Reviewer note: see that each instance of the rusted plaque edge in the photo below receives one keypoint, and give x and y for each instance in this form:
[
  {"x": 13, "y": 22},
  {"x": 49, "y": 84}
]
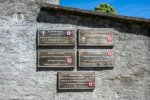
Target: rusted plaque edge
[
  {"x": 56, "y": 44},
  {"x": 108, "y": 52},
  {"x": 51, "y": 50},
  {"x": 109, "y": 38},
  {"x": 90, "y": 84}
]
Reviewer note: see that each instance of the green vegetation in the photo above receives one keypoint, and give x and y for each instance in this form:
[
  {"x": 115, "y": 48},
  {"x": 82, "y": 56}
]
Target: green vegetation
[{"x": 106, "y": 8}]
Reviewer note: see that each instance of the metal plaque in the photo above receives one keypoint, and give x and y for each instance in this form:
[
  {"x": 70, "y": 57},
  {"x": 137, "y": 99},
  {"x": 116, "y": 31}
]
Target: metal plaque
[
  {"x": 56, "y": 37},
  {"x": 95, "y": 58},
  {"x": 76, "y": 80},
  {"x": 95, "y": 37},
  {"x": 56, "y": 58}
]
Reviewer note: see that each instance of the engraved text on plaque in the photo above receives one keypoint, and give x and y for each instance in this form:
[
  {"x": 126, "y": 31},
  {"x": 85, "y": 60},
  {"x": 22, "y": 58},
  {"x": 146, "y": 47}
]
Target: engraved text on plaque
[
  {"x": 95, "y": 37},
  {"x": 76, "y": 80},
  {"x": 56, "y": 37},
  {"x": 96, "y": 58},
  {"x": 56, "y": 58}
]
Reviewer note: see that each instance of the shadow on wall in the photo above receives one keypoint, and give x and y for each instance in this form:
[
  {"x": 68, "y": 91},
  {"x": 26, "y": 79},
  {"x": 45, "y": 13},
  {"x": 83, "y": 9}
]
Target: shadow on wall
[{"x": 58, "y": 17}]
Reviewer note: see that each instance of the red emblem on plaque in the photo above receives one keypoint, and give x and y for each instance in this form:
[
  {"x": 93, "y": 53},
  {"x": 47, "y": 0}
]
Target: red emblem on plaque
[
  {"x": 109, "y": 53},
  {"x": 69, "y": 33},
  {"x": 91, "y": 84},
  {"x": 69, "y": 60},
  {"x": 109, "y": 38}
]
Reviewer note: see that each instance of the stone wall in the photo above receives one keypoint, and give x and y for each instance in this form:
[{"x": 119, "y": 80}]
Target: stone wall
[
  {"x": 20, "y": 79},
  {"x": 56, "y": 2}
]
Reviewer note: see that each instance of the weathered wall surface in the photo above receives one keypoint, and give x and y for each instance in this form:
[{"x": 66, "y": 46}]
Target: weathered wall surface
[
  {"x": 20, "y": 80},
  {"x": 56, "y": 2}
]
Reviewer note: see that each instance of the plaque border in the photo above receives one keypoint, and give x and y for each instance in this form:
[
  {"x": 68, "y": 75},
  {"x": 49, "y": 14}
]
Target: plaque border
[
  {"x": 108, "y": 30},
  {"x": 62, "y": 67},
  {"x": 60, "y": 29},
  {"x": 78, "y": 57},
  {"x": 69, "y": 89}
]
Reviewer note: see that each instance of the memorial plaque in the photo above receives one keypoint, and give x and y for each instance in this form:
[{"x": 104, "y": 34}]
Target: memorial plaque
[
  {"x": 56, "y": 37},
  {"x": 76, "y": 80},
  {"x": 95, "y": 58},
  {"x": 56, "y": 58},
  {"x": 95, "y": 37}
]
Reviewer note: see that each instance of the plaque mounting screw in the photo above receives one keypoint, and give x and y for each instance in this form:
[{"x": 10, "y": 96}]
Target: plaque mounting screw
[
  {"x": 109, "y": 53},
  {"x": 69, "y": 33},
  {"x": 109, "y": 38},
  {"x": 69, "y": 60},
  {"x": 91, "y": 84}
]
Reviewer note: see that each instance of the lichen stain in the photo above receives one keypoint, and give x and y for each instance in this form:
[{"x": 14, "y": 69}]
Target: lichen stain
[
  {"x": 139, "y": 73},
  {"x": 126, "y": 81}
]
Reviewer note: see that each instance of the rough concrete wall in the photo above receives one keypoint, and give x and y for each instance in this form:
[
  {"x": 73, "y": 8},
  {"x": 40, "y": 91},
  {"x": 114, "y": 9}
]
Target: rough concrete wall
[
  {"x": 19, "y": 78},
  {"x": 56, "y": 2}
]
